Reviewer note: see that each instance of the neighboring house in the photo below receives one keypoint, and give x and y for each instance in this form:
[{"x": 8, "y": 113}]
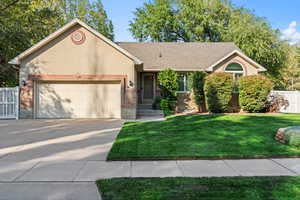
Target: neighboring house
[{"x": 78, "y": 73}]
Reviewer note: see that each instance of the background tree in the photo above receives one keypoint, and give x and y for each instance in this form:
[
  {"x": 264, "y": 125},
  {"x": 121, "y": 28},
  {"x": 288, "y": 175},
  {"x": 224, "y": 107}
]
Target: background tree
[
  {"x": 22, "y": 23},
  {"x": 90, "y": 12},
  {"x": 211, "y": 21},
  {"x": 25, "y": 22},
  {"x": 291, "y": 72}
]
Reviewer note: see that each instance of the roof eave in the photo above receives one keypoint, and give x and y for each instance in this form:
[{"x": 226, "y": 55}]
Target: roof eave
[
  {"x": 14, "y": 61},
  {"x": 260, "y": 68}
]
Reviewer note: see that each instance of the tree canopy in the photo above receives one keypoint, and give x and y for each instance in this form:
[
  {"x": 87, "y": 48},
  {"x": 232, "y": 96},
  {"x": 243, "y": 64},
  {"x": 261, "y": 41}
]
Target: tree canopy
[
  {"x": 25, "y": 22},
  {"x": 211, "y": 21}
]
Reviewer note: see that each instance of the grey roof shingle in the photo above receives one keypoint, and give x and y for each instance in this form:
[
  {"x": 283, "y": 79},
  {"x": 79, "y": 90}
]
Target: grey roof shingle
[{"x": 179, "y": 56}]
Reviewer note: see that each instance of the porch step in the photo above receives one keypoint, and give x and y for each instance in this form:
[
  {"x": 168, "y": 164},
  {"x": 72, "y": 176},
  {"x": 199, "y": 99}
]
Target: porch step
[
  {"x": 149, "y": 112},
  {"x": 144, "y": 106},
  {"x": 147, "y": 101}
]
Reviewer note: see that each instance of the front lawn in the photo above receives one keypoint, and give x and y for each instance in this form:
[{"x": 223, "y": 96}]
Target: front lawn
[
  {"x": 238, "y": 188},
  {"x": 205, "y": 136}
]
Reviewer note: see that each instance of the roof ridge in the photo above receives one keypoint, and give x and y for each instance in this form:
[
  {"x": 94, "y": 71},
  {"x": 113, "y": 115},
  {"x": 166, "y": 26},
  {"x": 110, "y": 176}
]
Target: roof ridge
[{"x": 176, "y": 42}]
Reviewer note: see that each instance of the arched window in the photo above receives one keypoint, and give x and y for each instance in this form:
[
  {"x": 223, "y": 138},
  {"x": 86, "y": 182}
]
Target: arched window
[{"x": 236, "y": 69}]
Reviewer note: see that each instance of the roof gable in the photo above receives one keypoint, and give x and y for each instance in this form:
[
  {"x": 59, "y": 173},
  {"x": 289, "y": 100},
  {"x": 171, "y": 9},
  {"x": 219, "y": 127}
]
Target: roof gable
[
  {"x": 51, "y": 37},
  {"x": 188, "y": 56},
  {"x": 239, "y": 53}
]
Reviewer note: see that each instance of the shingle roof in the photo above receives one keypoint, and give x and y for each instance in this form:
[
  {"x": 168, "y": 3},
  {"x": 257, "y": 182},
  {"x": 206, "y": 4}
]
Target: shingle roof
[{"x": 179, "y": 56}]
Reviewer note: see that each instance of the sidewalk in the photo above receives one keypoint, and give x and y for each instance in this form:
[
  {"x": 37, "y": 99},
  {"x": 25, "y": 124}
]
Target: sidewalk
[
  {"x": 90, "y": 171},
  {"x": 76, "y": 179}
]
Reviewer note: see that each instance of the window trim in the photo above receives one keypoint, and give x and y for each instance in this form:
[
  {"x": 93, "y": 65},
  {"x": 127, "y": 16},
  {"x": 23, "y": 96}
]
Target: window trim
[
  {"x": 235, "y": 72},
  {"x": 185, "y": 82}
]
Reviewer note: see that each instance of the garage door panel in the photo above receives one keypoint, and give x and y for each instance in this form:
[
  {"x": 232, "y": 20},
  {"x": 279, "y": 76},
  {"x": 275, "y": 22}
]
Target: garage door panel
[{"x": 79, "y": 100}]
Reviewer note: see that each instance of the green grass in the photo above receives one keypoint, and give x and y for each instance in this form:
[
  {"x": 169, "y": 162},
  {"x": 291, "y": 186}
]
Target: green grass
[
  {"x": 239, "y": 188},
  {"x": 205, "y": 137}
]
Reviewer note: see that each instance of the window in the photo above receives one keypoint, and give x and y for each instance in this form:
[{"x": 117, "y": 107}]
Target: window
[
  {"x": 237, "y": 72},
  {"x": 182, "y": 82},
  {"x": 236, "y": 69}
]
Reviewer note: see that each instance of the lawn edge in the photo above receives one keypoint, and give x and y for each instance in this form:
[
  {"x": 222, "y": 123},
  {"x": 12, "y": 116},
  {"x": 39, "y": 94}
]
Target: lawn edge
[{"x": 197, "y": 158}]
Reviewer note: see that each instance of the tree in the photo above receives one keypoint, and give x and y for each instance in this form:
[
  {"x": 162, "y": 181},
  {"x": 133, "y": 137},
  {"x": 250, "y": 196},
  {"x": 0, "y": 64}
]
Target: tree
[
  {"x": 155, "y": 21},
  {"x": 211, "y": 21},
  {"x": 291, "y": 72},
  {"x": 23, "y": 23},
  {"x": 90, "y": 12}
]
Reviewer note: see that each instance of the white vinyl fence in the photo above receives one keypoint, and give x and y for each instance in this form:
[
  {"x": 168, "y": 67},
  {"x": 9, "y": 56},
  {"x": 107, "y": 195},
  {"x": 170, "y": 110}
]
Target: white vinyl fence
[
  {"x": 9, "y": 103},
  {"x": 293, "y": 98}
]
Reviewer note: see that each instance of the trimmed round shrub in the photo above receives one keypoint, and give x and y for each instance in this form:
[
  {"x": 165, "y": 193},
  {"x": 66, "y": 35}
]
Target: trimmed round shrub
[
  {"x": 253, "y": 92},
  {"x": 218, "y": 92}
]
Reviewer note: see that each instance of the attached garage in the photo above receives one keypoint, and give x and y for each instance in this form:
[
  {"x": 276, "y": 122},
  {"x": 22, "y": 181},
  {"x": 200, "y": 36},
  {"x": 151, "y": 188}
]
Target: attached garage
[
  {"x": 76, "y": 72},
  {"x": 78, "y": 99}
]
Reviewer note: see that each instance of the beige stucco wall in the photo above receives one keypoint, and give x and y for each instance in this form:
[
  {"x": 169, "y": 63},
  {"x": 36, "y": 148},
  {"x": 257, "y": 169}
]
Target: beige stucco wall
[
  {"x": 62, "y": 57},
  {"x": 249, "y": 69}
]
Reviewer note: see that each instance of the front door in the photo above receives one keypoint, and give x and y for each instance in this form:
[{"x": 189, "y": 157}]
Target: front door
[{"x": 148, "y": 86}]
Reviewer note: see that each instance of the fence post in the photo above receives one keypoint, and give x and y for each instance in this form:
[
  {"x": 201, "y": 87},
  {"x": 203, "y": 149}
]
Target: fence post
[{"x": 17, "y": 106}]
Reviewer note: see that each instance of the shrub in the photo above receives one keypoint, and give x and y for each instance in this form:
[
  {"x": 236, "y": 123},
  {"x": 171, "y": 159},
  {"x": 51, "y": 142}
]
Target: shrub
[
  {"x": 156, "y": 103},
  {"x": 253, "y": 92},
  {"x": 218, "y": 92},
  {"x": 168, "y": 84},
  {"x": 197, "y": 82},
  {"x": 167, "y": 106}
]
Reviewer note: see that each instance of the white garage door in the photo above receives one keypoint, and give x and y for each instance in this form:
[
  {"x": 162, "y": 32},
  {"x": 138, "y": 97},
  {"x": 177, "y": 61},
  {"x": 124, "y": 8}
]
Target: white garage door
[{"x": 78, "y": 100}]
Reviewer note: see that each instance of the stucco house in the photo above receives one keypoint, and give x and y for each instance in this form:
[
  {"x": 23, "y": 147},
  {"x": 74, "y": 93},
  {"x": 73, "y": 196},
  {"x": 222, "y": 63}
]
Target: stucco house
[{"x": 78, "y": 73}]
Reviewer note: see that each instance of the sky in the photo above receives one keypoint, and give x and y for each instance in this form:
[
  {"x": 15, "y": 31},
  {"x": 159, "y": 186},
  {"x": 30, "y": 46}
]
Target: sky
[{"x": 282, "y": 15}]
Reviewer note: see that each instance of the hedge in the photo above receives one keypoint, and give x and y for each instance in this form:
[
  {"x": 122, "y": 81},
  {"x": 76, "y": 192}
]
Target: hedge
[
  {"x": 218, "y": 91},
  {"x": 253, "y": 92}
]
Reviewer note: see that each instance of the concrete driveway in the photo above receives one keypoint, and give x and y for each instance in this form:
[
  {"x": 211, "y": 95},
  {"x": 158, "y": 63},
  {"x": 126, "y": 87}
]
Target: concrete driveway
[
  {"x": 33, "y": 152},
  {"x": 56, "y": 140}
]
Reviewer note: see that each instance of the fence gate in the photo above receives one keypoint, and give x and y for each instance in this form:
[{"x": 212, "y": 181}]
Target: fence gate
[
  {"x": 9, "y": 103},
  {"x": 293, "y": 98}
]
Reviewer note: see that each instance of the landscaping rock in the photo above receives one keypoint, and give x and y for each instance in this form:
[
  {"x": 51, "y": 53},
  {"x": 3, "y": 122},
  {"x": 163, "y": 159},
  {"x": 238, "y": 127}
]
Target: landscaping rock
[{"x": 289, "y": 135}]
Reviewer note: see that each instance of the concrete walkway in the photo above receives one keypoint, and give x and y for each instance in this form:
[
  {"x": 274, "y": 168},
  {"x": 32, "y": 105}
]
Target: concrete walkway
[
  {"x": 76, "y": 179},
  {"x": 90, "y": 171}
]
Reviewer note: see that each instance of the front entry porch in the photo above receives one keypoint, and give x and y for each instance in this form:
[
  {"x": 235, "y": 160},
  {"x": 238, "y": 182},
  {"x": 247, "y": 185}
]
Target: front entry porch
[
  {"x": 147, "y": 87},
  {"x": 147, "y": 92}
]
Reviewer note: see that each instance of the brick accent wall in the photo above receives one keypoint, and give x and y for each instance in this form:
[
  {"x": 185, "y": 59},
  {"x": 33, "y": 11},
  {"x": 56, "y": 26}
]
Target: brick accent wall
[
  {"x": 185, "y": 102},
  {"x": 26, "y": 100}
]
